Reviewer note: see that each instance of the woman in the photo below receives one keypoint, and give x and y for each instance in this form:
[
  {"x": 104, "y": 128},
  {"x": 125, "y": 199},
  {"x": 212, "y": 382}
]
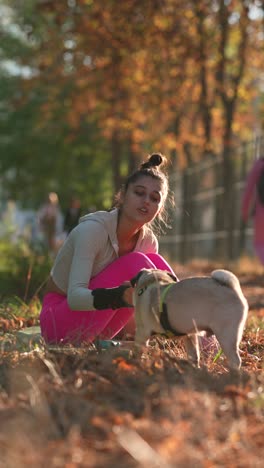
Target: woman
[
  {"x": 49, "y": 216},
  {"x": 88, "y": 294},
  {"x": 253, "y": 203}
]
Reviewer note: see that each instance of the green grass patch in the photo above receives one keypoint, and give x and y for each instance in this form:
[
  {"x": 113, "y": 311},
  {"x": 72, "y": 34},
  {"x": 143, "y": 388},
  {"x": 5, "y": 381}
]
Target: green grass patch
[{"x": 23, "y": 270}]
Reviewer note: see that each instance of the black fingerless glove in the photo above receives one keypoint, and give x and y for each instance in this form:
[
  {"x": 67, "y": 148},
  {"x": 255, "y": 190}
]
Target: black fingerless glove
[{"x": 109, "y": 298}]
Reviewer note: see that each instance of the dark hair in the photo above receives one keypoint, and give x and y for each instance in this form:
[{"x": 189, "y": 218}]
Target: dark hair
[
  {"x": 154, "y": 160},
  {"x": 151, "y": 168}
]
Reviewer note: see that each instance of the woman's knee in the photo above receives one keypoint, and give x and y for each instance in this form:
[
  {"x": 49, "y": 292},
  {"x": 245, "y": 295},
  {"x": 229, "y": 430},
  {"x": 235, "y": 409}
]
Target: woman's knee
[
  {"x": 159, "y": 262},
  {"x": 120, "y": 270}
]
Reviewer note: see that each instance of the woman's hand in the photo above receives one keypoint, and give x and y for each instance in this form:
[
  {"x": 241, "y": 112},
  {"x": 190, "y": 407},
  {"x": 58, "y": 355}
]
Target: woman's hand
[
  {"x": 112, "y": 298},
  {"x": 128, "y": 293}
]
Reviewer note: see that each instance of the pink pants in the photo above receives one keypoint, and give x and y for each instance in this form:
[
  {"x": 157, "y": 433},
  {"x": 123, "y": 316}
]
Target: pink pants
[{"x": 60, "y": 324}]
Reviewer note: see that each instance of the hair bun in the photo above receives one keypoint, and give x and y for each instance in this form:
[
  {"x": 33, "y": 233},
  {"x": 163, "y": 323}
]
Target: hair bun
[{"x": 154, "y": 160}]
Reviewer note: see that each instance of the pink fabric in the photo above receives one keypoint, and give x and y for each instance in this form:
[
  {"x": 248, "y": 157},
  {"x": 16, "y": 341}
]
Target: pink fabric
[
  {"x": 259, "y": 249},
  {"x": 251, "y": 202},
  {"x": 60, "y": 324}
]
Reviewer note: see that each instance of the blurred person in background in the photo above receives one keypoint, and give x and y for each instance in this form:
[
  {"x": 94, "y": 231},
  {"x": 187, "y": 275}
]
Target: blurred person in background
[
  {"x": 49, "y": 220},
  {"x": 253, "y": 205}
]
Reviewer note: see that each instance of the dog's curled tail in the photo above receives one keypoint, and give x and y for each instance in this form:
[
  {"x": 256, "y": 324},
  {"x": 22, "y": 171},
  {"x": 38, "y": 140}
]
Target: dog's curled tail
[{"x": 227, "y": 278}]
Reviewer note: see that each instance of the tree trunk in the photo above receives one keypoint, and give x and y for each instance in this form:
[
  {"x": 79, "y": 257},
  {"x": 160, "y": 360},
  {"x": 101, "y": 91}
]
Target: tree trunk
[{"x": 116, "y": 161}]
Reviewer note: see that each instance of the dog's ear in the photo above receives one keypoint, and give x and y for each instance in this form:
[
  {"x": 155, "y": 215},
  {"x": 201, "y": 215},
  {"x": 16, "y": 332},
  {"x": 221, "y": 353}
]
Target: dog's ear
[
  {"x": 174, "y": 277},
  {"x": 135, "y": 279}
]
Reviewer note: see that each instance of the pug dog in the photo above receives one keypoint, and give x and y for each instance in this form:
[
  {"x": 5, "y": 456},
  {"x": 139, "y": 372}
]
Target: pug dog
[{"x": 212, "y": 304}]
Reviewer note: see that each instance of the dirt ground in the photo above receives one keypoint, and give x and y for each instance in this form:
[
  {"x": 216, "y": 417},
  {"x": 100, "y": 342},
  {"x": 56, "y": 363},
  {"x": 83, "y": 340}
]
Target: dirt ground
[{"x": 90, "y": 408}]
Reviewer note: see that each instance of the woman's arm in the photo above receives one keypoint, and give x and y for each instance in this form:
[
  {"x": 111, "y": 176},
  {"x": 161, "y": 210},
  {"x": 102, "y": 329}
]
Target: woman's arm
[{"x": 89, "y": 241}]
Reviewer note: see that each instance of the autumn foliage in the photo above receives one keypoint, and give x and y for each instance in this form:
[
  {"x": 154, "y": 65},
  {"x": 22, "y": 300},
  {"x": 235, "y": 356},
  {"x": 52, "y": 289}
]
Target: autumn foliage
[{"x": 110, "y": 84}]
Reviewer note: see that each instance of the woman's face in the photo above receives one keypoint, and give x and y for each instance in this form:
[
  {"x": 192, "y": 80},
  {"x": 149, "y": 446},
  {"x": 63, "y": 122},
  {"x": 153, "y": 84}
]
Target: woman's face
[{"x": 143, "y": 200}]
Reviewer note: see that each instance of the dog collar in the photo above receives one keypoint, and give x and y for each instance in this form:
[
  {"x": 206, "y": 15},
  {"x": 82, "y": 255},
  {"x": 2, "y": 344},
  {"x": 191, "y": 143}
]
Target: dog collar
[
  {"x": 169, "y": 332},
  {"x": 164, "y": 321},
  {"x": 163, "y": 295}
]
